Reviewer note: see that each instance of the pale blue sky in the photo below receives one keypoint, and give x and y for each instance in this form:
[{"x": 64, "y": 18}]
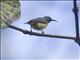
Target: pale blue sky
[{"x": 16, "y": 45}]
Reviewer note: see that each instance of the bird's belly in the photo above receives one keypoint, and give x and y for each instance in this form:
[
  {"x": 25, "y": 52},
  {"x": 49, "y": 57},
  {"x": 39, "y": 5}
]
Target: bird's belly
[{"x": 39, "y": 26}]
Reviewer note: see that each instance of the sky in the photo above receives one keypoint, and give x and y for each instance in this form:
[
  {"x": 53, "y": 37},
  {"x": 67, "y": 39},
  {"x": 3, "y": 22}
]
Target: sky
[{"x": 18, "y": 46}]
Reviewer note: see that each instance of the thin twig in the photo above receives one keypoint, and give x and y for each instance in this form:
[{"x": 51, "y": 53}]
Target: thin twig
[
  {"x": 40, "y": 34},
  {"x": 75, "y": 10}
]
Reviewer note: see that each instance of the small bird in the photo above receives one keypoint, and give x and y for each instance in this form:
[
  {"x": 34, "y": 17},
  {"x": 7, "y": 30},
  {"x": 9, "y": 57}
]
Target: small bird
[{"x": 40, "y": 23}]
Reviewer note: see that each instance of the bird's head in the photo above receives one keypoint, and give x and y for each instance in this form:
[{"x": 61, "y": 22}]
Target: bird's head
[{"x": 49, "y": 19}]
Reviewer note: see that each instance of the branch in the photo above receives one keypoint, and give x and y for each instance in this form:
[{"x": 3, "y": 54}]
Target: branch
[
  {"x": 75, "y": 10},
  {"x": 39, "y": 34}
]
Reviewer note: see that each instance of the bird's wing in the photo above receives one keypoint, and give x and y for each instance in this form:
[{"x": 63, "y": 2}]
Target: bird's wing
[{"x": 38, "y": 20}]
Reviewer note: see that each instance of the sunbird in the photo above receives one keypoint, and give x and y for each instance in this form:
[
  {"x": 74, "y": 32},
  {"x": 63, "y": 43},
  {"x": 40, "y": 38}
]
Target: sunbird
[{"x": 40, "y": 23}]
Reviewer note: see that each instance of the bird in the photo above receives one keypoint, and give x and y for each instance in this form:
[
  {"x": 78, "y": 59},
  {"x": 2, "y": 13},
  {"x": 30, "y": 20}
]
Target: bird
[{"x": 40, "y": 23}]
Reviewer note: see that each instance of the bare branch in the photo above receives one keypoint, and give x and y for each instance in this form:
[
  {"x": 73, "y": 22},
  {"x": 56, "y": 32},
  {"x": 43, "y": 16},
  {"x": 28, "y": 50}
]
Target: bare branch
[
  {"x": 39, "y": 34},
  {"x": 75, "y": 10}
]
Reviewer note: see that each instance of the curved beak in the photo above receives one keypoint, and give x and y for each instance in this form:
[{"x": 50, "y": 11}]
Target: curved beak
[{"x": 54, "y": 20}]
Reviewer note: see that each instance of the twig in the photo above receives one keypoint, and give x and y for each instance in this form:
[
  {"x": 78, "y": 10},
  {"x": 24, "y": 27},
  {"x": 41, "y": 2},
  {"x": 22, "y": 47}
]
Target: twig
[
  {"x": 39, "y": 34},
  {"x": 75, "y": 10}
]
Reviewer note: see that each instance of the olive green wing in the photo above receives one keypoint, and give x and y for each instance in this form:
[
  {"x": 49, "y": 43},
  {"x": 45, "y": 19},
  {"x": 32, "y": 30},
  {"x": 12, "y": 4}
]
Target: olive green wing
[{"x": 9, "y": 12}]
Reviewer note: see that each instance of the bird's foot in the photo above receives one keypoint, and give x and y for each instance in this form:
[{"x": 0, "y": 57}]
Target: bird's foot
[
  {"x": 30, "y": 33},
  {"x": 42, "y": 32}
]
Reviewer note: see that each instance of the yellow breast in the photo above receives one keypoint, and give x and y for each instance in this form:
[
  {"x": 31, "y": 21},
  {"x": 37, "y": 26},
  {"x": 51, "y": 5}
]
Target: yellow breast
[{"x": 39, "y": 26}]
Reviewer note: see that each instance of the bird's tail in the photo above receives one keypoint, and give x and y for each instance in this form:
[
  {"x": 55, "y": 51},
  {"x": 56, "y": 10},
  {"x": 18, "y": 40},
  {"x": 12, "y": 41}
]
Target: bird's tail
[{"x": 26, "y": 23}]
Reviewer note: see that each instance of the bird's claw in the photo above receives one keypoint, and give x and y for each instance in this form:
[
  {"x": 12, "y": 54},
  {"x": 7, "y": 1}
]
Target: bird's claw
[
  {"x": 30, "y": 33},
  {"x": 42, "y": 32}
]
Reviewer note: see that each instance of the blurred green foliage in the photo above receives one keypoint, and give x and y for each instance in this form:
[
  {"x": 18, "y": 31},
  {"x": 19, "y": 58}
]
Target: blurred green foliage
[{"x": 10, "y": 12}]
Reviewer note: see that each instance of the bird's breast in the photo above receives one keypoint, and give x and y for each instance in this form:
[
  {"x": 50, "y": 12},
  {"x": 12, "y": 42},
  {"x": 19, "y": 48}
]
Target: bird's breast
[{"x": 39, "y": 26}]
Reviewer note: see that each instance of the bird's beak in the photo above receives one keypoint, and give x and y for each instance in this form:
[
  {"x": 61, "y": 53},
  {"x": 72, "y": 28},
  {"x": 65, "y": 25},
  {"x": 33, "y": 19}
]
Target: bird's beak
[{"x": 54, "y": 20}]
